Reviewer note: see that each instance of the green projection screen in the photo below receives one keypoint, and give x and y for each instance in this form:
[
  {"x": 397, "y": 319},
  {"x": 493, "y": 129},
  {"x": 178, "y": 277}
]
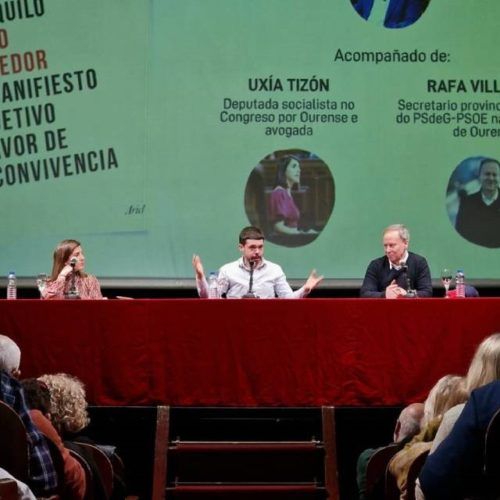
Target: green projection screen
[{"x": 152, "y": 130}]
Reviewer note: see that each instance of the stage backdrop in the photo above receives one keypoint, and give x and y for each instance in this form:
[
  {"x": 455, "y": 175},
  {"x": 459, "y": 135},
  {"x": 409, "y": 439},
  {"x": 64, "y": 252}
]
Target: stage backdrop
[{"x": 152, "y": 130}]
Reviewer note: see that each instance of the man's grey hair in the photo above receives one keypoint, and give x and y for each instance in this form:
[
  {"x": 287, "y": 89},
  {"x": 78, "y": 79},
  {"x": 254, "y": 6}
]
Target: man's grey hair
[
  {"x": 402, "y": 230},
  {"x": 10, "y": 354}
]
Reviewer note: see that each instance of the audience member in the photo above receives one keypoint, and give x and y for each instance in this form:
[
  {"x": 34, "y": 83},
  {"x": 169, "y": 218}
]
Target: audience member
[
  {"x": 448, "y": 392},
  {"x": 68, "y": 269},
  {"x": 268, "y": 279},
  {"x": 399, "y": 270},
  {"x": 407, "y": 425},
  {"x": 454, "y": 470},
  {"x": 483, "y": 369},
  {"x": 68, "y": 411},
  {"x": 38, "y": 400},
  {"x": 42, "y": 476}
]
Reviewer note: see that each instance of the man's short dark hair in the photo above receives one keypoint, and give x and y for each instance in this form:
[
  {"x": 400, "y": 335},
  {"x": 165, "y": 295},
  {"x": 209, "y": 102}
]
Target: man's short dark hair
[{"x": 250, "y": 233}]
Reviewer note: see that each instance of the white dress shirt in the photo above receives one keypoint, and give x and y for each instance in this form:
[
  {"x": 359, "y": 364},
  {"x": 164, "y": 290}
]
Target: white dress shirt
[{"x": 269, "y": 281}]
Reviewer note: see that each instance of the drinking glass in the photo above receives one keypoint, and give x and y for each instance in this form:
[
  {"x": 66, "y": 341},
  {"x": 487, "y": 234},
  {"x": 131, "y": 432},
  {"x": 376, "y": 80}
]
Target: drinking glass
[
  {"x": 446, "y": 277},
  {"x": 41, "y": 281}
]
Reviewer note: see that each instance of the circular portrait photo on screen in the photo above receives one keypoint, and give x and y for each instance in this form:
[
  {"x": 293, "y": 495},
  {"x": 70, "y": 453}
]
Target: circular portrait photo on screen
[
  {"x": 392, "y": 14},
  {"x": 290, "y": 195},
  {"x": 473, "y": 201}
]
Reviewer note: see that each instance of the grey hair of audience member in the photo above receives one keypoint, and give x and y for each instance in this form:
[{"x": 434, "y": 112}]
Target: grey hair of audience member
[
  {"x": 402, "y": 230},
  {"x": 408, "y": 423},
  {"x": 10, "y": 355}
]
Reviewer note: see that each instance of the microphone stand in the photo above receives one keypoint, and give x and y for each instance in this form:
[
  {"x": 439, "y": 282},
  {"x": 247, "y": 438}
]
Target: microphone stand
[
  {"x": 410, "y": 292},
  {"x": 72, "y": 293},
  {"x": 250, "y": 294}
]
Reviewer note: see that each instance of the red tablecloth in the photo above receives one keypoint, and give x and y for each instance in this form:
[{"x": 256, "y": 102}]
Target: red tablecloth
[{"x": 251, "y": 352}]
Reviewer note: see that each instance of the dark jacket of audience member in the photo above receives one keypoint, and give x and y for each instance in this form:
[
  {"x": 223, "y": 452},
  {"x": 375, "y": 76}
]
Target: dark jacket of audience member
[{"x": 454, "y": 470}]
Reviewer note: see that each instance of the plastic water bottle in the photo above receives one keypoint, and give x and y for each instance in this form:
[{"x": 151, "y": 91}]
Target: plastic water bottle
[
  {"x": 460, "y": 283},
  {"x": 11, "y": 285},
  {"x": 213, "y": 286}
]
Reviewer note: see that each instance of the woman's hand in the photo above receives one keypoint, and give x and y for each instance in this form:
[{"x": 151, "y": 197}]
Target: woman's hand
[{"x": 65, "y": 271}]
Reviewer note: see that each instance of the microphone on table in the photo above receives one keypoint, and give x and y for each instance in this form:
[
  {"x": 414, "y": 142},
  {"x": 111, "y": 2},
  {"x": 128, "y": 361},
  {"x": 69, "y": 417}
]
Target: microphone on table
[{"x": 250, "y": 294}]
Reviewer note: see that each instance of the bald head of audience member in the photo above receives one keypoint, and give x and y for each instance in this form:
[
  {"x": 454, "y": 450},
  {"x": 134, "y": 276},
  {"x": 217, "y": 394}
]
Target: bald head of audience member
[
  {"x": 408, "y": 423},
  {"x": 10, "y": 356}
]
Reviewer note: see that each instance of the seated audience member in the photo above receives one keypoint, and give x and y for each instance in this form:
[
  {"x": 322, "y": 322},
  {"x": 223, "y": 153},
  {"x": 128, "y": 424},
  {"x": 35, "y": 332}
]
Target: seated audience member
[
  {"x": 68, "y": 406},
  {"x": 268, "y": 279},
  {"x": 454, "y": 470},
  {"x": 392, "y": 275},
  {"x": 42, "y": 476},
  {"x": 483, "y": 369},
  {"x": 407, "y": 425},
  {"x": 68, "y": 412},
  {"x": 37, "y": 397},
  {"x": 69, "y": 267},
  {"x": 23, "y": 492},
  {"x": 448, "y": 392}
]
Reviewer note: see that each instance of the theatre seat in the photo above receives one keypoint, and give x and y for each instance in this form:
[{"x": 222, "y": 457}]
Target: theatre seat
[
  {"x": 375, "y": 470},
  {"x": 14, "y": 452}
]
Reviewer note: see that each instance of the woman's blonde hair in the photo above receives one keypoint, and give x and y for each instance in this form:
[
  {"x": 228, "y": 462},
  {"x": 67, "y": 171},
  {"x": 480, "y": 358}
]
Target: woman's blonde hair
[
  {"x": 449, "y": 391},
  {"x": 68, "y": 406},
  {"x": 485, "y": 365}
]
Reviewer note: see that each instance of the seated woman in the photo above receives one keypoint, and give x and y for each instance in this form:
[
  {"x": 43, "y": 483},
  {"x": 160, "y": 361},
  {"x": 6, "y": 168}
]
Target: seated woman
[
  {"x": 68, "y": 269},
  {"x": 283, "y": 211},
  {"x": 37, "y": 398}
]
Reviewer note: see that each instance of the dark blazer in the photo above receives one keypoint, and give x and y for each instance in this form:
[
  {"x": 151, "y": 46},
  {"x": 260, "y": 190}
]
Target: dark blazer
[
  {"x": 379, "y": 276},
  {"x": 454, "y": 470},
  {"x": 400, "y": 13}
]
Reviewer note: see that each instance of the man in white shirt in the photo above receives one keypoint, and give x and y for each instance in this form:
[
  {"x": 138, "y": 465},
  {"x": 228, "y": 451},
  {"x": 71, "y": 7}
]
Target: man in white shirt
[{"x": 268, "y": 279}]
